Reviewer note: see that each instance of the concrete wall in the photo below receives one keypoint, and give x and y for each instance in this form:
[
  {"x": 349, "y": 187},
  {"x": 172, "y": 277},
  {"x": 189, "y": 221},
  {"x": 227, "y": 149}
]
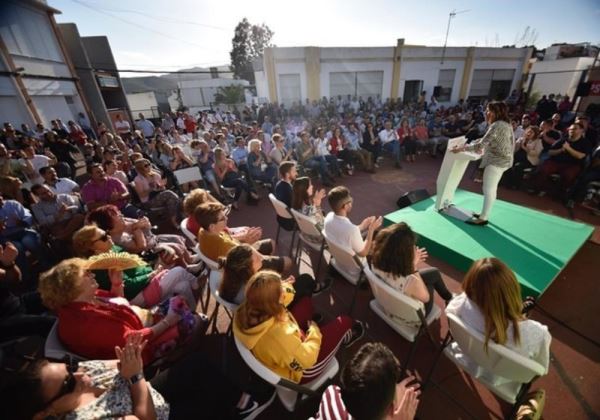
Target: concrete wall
[
  {"x": 144, "y": 102},
  {"x": 565, "y": 76},
  {"x": 416, "y": 63}
]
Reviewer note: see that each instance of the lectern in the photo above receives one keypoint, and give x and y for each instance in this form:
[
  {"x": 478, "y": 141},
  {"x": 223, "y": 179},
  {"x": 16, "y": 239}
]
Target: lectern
[{"x": 451, "y": 172}]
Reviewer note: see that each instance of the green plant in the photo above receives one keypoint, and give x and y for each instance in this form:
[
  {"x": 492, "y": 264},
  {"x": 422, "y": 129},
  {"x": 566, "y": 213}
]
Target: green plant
[
  {"x": 232, "y": 94},
  {"x": 533, "y": 99}
]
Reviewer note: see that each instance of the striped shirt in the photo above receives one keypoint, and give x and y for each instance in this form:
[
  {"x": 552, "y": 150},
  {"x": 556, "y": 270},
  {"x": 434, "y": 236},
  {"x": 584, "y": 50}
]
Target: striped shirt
[
  {"x": 498, "y": 144},
  {"x": 332, "y": 407}
]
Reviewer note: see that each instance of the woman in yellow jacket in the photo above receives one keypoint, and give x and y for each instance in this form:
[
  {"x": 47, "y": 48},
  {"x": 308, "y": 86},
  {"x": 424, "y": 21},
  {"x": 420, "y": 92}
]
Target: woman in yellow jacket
[{"x": 291, "y": 345}]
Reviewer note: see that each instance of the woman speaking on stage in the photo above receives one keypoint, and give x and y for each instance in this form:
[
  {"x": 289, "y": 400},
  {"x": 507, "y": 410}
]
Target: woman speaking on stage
[{"x": 497, "y": 146}]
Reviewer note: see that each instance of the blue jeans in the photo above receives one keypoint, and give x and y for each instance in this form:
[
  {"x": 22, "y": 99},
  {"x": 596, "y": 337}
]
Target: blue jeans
[
  {"x": 393, "y": 147},
  {"x": 319, "y": 165}
]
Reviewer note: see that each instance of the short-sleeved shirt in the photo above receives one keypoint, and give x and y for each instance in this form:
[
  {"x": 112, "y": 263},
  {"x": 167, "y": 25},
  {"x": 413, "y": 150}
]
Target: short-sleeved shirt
[
  {"x": 63, "y": 186},
  {"x": 214, "y": 246},
  {"x": 341, "y": 230},
  {"x": 94, "y": 192},
  {"x": 582, "y": 145}
]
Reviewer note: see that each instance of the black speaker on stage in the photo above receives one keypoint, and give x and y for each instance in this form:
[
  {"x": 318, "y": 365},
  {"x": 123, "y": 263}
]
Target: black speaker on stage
[{"x": 412, "y": 197}]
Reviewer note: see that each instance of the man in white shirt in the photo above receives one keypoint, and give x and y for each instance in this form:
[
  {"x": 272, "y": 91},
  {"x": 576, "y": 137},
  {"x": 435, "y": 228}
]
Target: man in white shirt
[
  {"x": 37, "y": 163},
  {"x": 391, "y": 142},
  {"x": 56, "y": 184},
  {"x": 341, "y": 230},
  {"x": 123, "y": 128}
]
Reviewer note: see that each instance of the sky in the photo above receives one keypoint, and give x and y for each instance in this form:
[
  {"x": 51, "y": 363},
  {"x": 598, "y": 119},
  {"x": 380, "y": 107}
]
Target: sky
[{"x": 171, "y": 35}]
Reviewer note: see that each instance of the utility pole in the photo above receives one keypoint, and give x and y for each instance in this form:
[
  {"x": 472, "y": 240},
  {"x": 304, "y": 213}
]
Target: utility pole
[{"x": 450, "y": 16}]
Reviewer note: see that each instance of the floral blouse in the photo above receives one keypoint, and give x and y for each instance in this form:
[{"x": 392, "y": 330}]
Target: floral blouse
[{"x": 116, "y": 400}]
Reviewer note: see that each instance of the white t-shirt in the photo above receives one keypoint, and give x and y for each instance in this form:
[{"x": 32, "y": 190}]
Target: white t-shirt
[
  {"x": 534, "y": 336},
  {"x": 63, "y": 186},
  {"x": 341, "y": 230},
  {"x": 122, "y": 127},
  {"x": 387, "y": 136}
]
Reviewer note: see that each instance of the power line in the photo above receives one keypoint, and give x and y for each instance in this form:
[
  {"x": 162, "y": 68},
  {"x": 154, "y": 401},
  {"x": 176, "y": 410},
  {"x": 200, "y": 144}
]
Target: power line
[
  {"x": 142, "y": 26},
  {"x": 160, "y": 18}
]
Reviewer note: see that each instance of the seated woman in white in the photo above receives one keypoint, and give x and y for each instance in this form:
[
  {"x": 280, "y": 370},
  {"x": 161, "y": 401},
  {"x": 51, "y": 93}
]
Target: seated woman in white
[{"x": 491, "y": 304}]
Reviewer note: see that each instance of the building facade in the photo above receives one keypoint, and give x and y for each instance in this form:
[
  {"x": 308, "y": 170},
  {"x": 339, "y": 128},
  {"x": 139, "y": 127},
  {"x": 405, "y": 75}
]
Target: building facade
[
  {"x": 299, "y": 73},
  {"x": 95, "y": 66},
  {"x": 37, "y": 79}
]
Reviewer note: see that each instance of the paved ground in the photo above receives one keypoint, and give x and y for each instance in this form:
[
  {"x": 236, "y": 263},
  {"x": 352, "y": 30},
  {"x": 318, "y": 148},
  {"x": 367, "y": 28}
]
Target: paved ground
[{"x": 569, "y": 308}]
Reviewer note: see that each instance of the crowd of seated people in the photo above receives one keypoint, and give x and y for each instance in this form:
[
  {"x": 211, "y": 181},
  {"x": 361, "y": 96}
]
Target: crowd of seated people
[{"x": 151, "y": 309}]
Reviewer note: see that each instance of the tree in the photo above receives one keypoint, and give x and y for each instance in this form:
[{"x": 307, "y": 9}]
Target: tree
[
  {"x": 230, "y": 95},
  {"x": 248, "y": 43}
]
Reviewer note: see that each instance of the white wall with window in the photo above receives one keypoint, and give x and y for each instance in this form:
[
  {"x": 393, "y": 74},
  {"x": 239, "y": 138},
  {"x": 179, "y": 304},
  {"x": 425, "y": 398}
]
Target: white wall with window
[
  {"x": 431, "y": 73},
  {"x": 362, "y": 83},
  {"x": 12, "y": 108},
  {"x": 493, "y": 83},
  {"x": 290, "y": 88},
  {"x": 446, "y": 80}
]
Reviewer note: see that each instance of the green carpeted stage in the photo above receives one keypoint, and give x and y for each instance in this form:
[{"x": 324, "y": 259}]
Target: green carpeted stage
[{"x": 537, "y": 246}]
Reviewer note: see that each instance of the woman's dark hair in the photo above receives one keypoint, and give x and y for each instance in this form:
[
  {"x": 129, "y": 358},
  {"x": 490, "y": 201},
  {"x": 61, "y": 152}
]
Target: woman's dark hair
[
  {"x": 103, "y": 215},
  {"x": 300, "y": 190},
  {"x": 368, "y": 382},
  {"x": 237, "y": 270},
  {"x": 21, "y": 391},
  {"x": 394, "y": 250},
  {"x": 500, "y": 110}
]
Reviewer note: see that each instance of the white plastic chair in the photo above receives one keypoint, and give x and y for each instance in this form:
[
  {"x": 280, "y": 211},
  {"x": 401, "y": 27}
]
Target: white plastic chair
[
  {"x": 214, "y": 282},
  {"x": 186, "y": 232},
  {"x": 54, "y": 348},
  {"x": 518, "y": 371},
  {"x": 287, "y": 390},
  {"x": 308, "y": 228},
  {"x": 343, "y": 259},
  {"x": 402, "y": 313},
  {"x": 282, "y": 211},
  {"x": 211, "y": 264}
]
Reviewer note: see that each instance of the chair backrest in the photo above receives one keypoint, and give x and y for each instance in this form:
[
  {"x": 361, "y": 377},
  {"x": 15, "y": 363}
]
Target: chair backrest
[
  {"x": 54, "y": 348},
  {"x": 280, "y": 208},
  {"x": 345, "y": 259},
  {"x": 395, "y": 303},
  {"x": 186, "y": 231},
  {"x": 186, "y": 175},
  {"x": 499, "y": 360},
  {"x": 306, "y": 225},
  {"x": 213, "y": 265},
  {"x": 214, "y": 281},
  {"x": 253, "y": 363}
]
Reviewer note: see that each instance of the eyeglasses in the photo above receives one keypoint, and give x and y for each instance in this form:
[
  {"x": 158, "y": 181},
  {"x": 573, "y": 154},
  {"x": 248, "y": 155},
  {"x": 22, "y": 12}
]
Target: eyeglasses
[
  {"x": 67, "y": 386},
  {"x": 103, "y": 238}
]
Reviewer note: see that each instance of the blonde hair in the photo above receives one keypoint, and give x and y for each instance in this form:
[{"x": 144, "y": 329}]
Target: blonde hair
[
  {"x": 195, "y": 197},
  {"x": 253, "y": 142},
  {"x": 263, "y": 292},
  {"x": 495, "y": 290},
  {"x": 61, "y": 284},
  {"x": 83, "y": 240}
]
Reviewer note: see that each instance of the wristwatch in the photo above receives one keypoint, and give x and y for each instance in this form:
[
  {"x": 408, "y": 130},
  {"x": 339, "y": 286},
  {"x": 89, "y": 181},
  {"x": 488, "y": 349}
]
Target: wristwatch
[{"x": 135, "y": 378}]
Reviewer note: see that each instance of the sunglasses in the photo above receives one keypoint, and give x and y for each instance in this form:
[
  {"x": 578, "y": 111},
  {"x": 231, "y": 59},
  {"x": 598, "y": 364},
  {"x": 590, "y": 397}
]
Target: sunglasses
[
  {"x": 103, "y": 238},
  {"x": 67, "y": 387}
]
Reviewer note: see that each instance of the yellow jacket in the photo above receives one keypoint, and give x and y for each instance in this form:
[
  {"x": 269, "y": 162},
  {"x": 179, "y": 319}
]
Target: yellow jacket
[{"x": 282, "y": 346}]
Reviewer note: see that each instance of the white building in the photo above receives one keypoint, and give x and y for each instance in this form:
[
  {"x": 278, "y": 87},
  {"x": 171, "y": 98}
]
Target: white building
[
  {"x": 37, "y": 81},
  {"x": 563, "y": 67},
  {"x": 199, "y": 94},
  {"x": 300, "y": 73},
  {"x": 145, "y": 103}
]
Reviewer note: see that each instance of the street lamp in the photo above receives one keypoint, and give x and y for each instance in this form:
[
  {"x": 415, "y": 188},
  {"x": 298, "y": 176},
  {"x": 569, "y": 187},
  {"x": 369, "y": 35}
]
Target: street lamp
[{"x": 450, "y": 16}]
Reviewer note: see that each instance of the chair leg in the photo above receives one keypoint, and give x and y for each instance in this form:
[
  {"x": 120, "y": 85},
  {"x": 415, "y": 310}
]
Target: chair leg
[
  {"x": 298, "y": 251},
  {"x": 320, "y": 259},
  {"x": 409, "y": 356},
  {"x": 277, "y": 234},
  {"x": 292, "y": 243},
  {"x": 445, "y": 343},
  {"x": 356, "y": 287},
  {"x": 213, "y": 319}
]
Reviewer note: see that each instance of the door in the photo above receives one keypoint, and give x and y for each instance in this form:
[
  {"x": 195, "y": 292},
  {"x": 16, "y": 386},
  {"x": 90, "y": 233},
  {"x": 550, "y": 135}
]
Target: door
[{"x": 412, "y": 90}]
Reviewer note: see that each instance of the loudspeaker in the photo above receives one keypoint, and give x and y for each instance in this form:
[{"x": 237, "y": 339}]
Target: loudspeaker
[
  {"x": 412, "y": 197},
  {"x": 437, "y": 91}
]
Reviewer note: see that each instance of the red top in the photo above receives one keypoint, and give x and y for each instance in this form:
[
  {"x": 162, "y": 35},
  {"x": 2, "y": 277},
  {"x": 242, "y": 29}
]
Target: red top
[
  {"x": 335, "y": 144},
  {"x": 93, "y": 331},
  {"x": 403, "y": 133},
  {"x": 192, "y": 225}
]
